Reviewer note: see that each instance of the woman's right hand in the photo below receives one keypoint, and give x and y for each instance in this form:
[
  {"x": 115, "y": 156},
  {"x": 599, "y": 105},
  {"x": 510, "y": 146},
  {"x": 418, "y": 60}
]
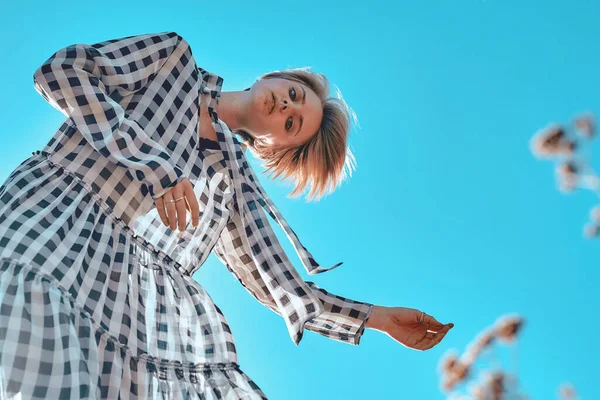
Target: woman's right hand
[{"x": 173, "y": 214}]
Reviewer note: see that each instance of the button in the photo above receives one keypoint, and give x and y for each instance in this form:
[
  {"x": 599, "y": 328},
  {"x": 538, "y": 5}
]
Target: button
[
  {"x": 162, "y": 373},
  {"x": 179, "y": 373}
]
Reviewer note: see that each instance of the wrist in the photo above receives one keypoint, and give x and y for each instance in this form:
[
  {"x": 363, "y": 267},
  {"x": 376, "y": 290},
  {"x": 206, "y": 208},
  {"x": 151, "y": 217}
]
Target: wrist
[{"x": 376, "y": 320}]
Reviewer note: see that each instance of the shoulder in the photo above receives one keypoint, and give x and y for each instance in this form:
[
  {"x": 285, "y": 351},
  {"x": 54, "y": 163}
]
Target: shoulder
[{"x": 132, "y": 43}]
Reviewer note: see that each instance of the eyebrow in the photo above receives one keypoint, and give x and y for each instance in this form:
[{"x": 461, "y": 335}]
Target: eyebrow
[{"x": 301, "y": 117}]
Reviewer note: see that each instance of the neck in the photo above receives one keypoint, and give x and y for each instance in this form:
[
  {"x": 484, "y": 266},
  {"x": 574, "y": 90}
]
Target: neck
[{"x": 231, "y": 108}]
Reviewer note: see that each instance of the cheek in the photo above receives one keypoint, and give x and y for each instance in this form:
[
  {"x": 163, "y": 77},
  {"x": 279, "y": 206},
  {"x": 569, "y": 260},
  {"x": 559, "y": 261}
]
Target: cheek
[
  {"x": 255, "y": 114},
  {"x": 268, "y": 123},
  {"x": 276, "y": 126},
  {"x": 260, "y": 123}
]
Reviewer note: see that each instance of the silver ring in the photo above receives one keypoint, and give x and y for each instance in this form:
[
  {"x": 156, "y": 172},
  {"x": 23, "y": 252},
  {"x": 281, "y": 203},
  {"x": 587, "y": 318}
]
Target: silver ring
[
  {"x": 173, "y": 201},
  {"x": 422, "y": 317}
]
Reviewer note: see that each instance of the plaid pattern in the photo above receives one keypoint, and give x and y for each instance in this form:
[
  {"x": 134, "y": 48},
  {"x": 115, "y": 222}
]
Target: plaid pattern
[
  {"x": 89, "y": 306},
  {"x": 252, "y": 252},
  {"x": 96, "y": 295},
  {"x": 86, "y": 83},
  {"x": 89, "y": 309},
  {"x": 341, "y": 319}
]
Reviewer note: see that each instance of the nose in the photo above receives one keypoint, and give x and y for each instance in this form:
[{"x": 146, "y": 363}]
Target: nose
[{"x": 285, "y": 105}]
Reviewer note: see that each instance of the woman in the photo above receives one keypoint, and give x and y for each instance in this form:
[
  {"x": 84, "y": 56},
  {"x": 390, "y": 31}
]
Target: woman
[{"x": 97, "y": 298}]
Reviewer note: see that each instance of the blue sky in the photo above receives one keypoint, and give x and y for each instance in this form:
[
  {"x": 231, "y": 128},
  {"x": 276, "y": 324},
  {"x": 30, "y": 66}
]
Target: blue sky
[{"x": 447, "y": 211}]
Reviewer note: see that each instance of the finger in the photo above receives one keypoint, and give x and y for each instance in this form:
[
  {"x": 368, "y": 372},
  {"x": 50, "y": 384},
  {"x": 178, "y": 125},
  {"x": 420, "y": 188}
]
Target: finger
[
  {"x": 422, "y": 340},
  {"x": 426, "y": 342},
  {"x": 160, "y": 207},
  {"x": 437, "y": 337},
  {"x": 181, "y": 212},
  {"x": 194, "y": 208},
  {"x": 432, "y": 323},
  {"x": 440, "y": 336},
  {"x": 187, "y": 207},
  {"x": 171, "y": 209},
  {"x": 450, "y": 325}
]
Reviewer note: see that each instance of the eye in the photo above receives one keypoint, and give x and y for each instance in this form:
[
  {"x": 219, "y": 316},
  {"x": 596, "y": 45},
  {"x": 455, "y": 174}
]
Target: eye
[
  {"x": 289, "y": 123},
  {"x": 293, "y": 94}
]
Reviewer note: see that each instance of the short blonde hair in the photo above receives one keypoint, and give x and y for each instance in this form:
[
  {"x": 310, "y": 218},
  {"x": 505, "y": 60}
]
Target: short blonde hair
[{"x": 325, "y": 160}]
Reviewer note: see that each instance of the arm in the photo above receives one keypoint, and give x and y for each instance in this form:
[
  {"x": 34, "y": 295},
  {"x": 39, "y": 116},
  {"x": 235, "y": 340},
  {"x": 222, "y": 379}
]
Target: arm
[
  {"x": 342, "y": 319},
  {"x": 79, "y": 80}
]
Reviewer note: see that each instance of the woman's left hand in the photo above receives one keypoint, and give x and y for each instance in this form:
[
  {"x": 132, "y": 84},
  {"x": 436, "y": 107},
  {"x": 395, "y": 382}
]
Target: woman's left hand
[{"x": 408, "y": 326}]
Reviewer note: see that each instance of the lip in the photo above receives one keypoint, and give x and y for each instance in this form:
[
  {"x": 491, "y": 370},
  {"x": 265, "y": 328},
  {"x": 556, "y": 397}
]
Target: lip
[{"x": 273, "y": 106}]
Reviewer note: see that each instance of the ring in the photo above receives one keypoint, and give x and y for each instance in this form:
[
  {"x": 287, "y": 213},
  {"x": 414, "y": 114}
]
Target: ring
[
  {"x": 173, "y": 201},
  {"x": 422, "y": 317}
]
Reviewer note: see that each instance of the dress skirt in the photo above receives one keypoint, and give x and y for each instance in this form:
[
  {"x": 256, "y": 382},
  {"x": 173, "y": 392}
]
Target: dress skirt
[{"x": 88, "y": 310}]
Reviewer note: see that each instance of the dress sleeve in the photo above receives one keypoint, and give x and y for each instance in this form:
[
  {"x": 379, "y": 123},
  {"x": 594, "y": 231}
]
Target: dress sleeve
[
  {"x": 342, "y": 319},
  {"x": 80, "y": 79}
]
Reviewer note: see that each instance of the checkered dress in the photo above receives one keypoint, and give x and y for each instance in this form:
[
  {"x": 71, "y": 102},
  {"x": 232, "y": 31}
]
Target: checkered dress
[{"x": 97, "y": 298}]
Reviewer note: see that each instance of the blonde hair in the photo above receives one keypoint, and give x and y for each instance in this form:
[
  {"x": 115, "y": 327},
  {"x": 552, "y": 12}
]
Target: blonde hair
[{"x": 325, "y": 160}]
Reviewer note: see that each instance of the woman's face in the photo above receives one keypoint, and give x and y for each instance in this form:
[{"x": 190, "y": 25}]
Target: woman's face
[{"x": 283, "y": 113}]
